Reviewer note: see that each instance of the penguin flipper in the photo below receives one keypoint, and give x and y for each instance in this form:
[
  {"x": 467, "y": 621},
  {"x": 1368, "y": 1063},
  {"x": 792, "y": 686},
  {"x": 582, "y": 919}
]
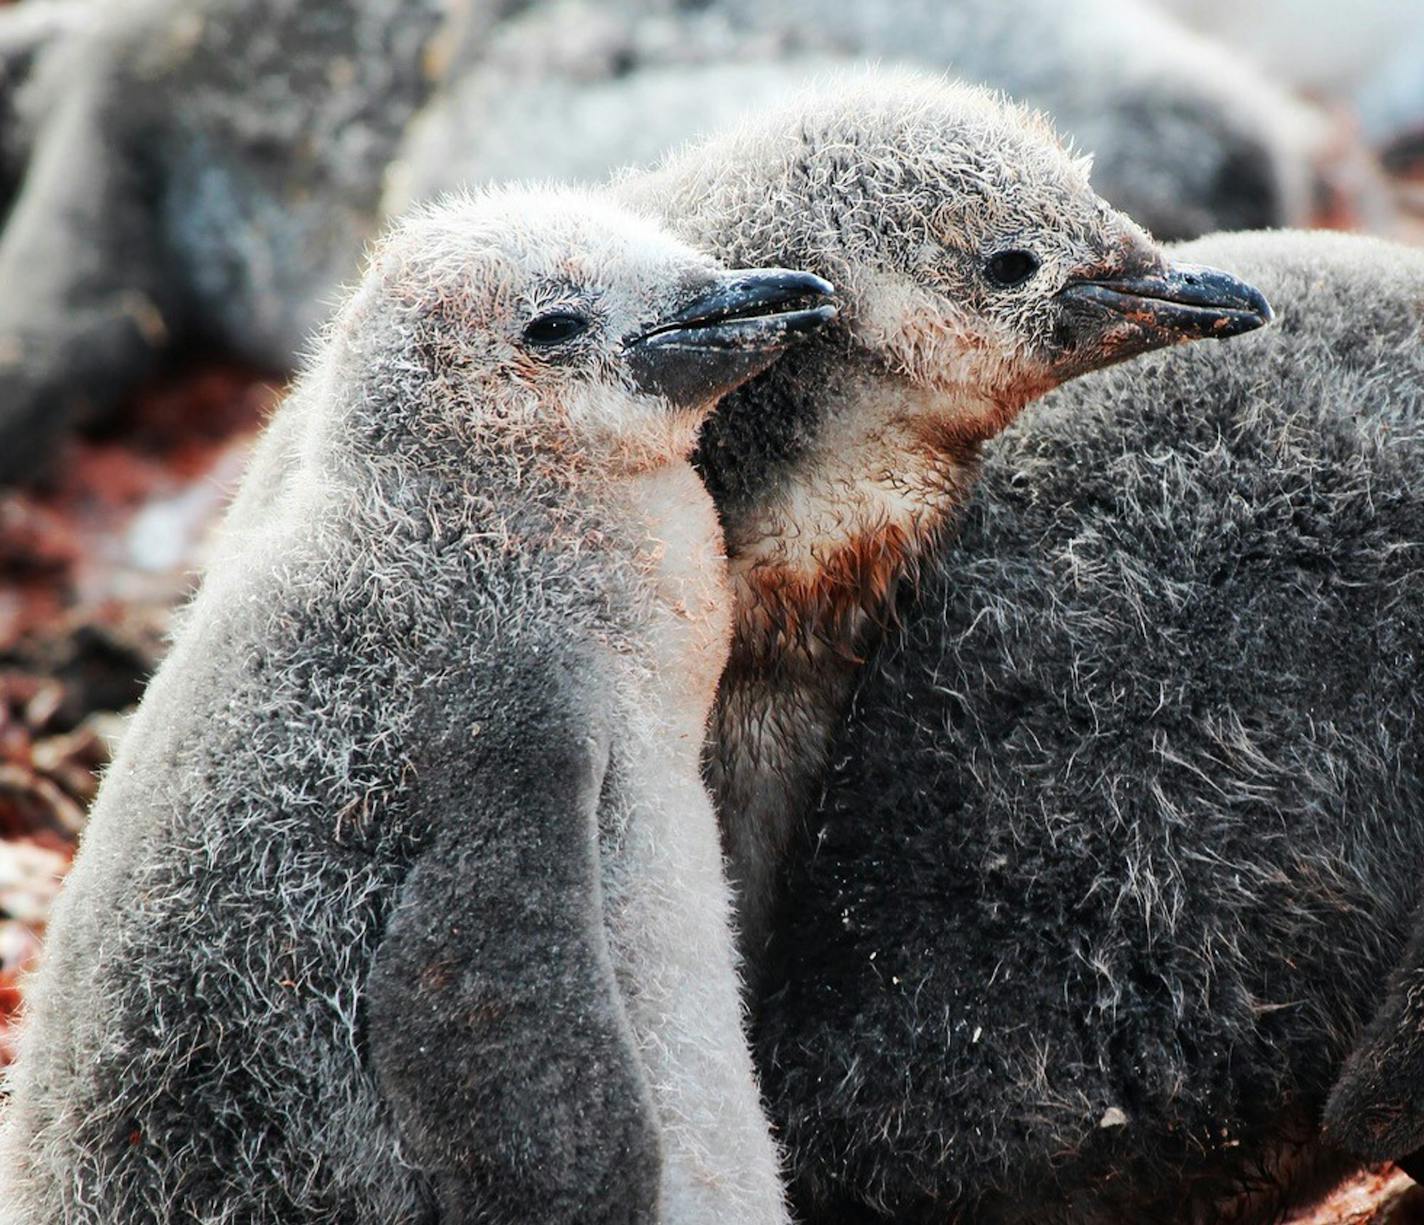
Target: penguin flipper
[
  {"x": 1376, "y": 1108},
  {"x": 496, "y": 1028}
]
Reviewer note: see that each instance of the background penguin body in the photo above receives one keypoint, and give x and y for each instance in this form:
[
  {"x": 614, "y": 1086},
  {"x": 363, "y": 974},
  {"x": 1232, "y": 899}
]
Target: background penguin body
[
  {"x": 199, "y": 171},
  {"x": 1187, "y": 137},
  {"x": 357, "y": 932},
  {"x": 225, "y": 159},
  {"x": 1116, "y": 850},
  {"x": 1371, "y": 54}
]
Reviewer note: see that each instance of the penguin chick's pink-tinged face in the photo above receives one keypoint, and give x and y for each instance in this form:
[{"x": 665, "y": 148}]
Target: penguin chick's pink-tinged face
[
  {"x": 555, "y": 313},
  {"x": 991, "y": 270}
]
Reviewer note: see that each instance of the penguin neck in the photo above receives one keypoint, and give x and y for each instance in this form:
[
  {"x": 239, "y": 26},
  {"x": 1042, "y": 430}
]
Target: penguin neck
[{"x": 833, "y": 477}]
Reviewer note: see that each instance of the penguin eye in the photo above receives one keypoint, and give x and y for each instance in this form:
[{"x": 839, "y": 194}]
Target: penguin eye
[
  {"x": 1010, "y": 268},
  {"x": 554, "y": 329}
]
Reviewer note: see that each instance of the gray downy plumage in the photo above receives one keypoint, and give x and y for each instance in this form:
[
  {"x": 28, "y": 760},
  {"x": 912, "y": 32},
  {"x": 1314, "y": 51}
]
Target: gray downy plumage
[
  {"x": 215, "y": 175},
  {"x": 402, "y": 901},
  {"x": 836, "y": 467},
  {"x": 1120, "y": 841}
]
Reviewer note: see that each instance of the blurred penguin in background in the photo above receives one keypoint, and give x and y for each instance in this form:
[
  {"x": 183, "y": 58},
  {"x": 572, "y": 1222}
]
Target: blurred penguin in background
[
  {"x": 206, "y": 171},
  {"x": 1365, "y": 58}
]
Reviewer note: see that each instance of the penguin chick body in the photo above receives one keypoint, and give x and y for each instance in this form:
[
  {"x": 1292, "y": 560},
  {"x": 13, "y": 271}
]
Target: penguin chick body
[
  {"x": 976, "y": 269},
  {"x": 407, "y": 845},
  {"x": 1120, "y": 837}
]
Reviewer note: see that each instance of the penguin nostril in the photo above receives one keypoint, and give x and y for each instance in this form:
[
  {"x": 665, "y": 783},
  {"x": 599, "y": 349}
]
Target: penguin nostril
[{"x": 1010, "y": 268}]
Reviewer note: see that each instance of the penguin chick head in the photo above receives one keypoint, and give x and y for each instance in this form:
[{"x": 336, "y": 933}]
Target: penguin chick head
[
  {"x": 550, "y": 322},
  {"x": 973, "y": 257},
  {"x": 977, "y": 269}
]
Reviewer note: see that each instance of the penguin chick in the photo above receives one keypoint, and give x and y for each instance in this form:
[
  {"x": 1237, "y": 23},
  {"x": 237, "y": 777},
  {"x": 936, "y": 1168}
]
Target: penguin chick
[
  {"x": 976, "y": 269},
  {"x": 1122, "y": 833},
  {"x": 402, "y": 901}
]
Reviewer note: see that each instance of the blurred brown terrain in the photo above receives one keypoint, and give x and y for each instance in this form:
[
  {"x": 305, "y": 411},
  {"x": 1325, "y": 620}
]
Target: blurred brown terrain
[{"x": 92, "y": 564}]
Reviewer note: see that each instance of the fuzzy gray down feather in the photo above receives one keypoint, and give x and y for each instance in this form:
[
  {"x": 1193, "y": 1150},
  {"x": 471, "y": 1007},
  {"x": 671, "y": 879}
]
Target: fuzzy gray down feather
[{"x": 1121, "y": 839}]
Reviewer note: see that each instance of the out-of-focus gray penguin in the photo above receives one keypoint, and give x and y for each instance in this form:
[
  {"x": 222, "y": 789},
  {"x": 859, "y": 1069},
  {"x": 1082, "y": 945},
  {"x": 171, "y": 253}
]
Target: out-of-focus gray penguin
[
  {"x": 221, "y": 164},
  {"x": 403, "y": 899},
  {"x": 1368, "y": 57},
  {"x": 199, "y": 171},
  {"x": 1187, "y": 136}
]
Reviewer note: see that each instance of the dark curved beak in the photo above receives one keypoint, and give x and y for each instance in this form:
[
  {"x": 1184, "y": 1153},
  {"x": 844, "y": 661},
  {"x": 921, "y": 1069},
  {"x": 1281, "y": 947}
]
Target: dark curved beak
[
  {"x": 727, "y": 334},
  {"x": 1123, "y": 316}
]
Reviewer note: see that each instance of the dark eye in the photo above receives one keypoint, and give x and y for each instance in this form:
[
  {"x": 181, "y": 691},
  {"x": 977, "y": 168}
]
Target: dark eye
[
  {"x": 1010, "y": 268},
  {"x": 554, "y": 329}
]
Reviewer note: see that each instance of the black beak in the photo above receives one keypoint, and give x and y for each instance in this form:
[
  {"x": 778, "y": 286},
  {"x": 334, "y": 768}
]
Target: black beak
[
  {"x": 1108, "y": 320},
  {"x": 729, "y": 333}
]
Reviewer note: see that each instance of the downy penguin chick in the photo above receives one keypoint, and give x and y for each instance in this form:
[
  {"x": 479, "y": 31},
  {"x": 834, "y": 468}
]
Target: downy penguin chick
[
  {"x": 402, "y": 901},
  {"x": 1122, "y": 835},
  {"x": 976, "y": 269}
]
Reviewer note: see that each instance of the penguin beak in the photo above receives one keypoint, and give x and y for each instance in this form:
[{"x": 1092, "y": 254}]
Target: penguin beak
[
  {"x": 1111, "y": 319},
  {"x": 729, "y": 333}
]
